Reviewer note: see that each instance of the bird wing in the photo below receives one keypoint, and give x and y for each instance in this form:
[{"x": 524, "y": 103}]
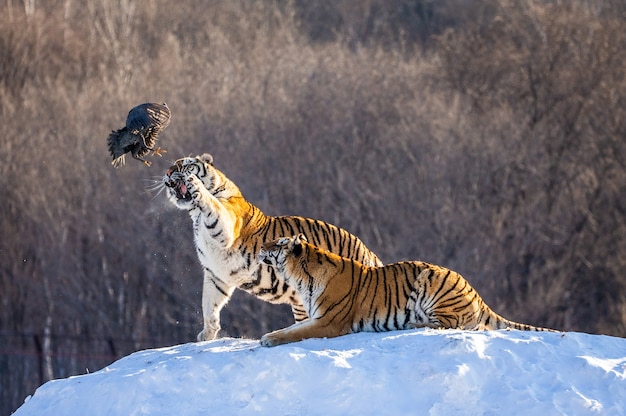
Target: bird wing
[{"x": 150, "y": 117}]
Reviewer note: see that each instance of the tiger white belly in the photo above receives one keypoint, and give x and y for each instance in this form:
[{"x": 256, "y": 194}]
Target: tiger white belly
[{"x": 225, "y": 263}]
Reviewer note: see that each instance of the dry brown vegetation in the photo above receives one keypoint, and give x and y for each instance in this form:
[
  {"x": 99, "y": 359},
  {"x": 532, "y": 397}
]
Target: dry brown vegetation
[{"x": 488, "y": 137}]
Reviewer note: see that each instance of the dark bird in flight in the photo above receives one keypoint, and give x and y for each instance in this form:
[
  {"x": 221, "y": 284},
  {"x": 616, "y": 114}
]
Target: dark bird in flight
[{"x": 143, "y": 125}]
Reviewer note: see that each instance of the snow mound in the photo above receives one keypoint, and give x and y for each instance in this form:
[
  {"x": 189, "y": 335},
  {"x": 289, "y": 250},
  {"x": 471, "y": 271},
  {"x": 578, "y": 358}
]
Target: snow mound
[{"x": 435, "y": 372}]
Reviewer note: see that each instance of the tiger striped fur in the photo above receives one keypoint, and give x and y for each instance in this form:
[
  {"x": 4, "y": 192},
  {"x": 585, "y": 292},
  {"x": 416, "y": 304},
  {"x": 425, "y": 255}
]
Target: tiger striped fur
[
  {"x": 228, "y": 232},
  {"x": 342, "y": 296}
]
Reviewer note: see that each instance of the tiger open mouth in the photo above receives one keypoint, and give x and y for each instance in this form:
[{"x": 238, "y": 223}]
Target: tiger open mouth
[
  {"x": 178, "y": 187},
  {"x": 181, "y": 191}
]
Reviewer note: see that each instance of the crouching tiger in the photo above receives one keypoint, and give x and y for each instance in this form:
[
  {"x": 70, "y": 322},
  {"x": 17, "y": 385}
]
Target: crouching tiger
[{"x": 342, "y": 296}]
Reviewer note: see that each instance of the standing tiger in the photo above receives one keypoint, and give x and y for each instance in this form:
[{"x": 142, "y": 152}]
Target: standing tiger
[
  {"x": 228, "y": 232},
  {"x": 342, "y": 296}
]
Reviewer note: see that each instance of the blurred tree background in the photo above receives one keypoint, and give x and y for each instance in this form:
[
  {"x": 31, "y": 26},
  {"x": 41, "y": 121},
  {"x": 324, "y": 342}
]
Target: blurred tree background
[{"x": 485, "y": 136}]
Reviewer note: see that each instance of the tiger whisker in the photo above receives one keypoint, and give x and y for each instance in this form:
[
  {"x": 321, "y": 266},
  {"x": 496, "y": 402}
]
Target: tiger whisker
[{"x": 156, "y": 186}]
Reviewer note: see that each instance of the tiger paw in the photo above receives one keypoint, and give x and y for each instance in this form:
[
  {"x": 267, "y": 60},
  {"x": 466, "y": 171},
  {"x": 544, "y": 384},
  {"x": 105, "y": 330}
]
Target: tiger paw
[
  {"x": 193, "y": 184},
  {"x": 269, "y": 340}
]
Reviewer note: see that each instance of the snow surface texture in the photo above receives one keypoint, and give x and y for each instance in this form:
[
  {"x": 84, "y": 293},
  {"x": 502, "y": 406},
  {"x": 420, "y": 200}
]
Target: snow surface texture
[{"x": 421, "y": 372}]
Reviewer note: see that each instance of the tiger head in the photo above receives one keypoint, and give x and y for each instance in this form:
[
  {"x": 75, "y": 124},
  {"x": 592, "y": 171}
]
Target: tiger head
[
  {"x": 177, "y": 184},
  {"x": 275, "y": 253}
]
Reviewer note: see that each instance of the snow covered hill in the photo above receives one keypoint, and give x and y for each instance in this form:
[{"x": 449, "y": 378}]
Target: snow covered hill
[{"x": 421, "y": 372}]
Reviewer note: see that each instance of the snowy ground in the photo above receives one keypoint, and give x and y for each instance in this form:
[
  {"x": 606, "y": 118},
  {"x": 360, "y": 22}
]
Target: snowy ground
[{"x": 413, "y": 372}]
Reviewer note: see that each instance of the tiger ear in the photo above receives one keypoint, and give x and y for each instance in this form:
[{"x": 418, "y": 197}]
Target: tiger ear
[
  {"x": 296, "y": 249},
  {"x": 283, "y": 241},
  {"x": 206, "y": 158}
]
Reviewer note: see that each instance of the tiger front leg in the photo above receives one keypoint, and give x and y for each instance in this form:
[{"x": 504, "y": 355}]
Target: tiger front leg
[
  {"x": 299, "y": 314},
  {"x": 298, "y": 332},
  {"x": 216, "y": 222}
]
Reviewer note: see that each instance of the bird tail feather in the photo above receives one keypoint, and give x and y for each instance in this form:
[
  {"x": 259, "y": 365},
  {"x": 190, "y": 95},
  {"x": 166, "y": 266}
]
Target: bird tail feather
[
  {"x": 115, "y": 148},
  {"x": 119, "y": 161}
]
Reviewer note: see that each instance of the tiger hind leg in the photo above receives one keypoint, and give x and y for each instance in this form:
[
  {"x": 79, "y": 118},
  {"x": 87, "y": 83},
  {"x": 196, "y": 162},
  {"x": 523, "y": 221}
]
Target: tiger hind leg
[{"x": 215, "y": 295}]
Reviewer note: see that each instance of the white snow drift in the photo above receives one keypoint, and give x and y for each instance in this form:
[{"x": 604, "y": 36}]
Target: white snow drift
[{"x": 421, "y": 372}]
